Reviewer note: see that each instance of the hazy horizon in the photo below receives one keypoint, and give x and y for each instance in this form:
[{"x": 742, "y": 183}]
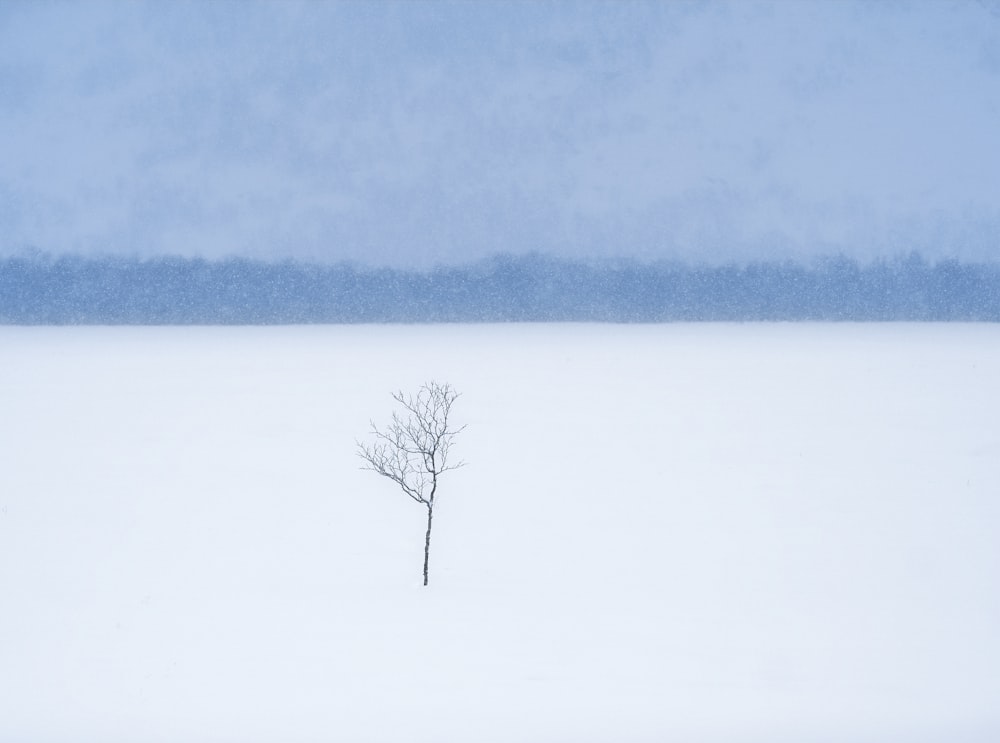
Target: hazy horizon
[{"x": 414, "y": 134}]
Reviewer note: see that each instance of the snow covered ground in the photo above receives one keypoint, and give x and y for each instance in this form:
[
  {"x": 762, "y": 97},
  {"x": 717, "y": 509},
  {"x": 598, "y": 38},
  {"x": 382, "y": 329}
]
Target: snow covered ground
[{"x": 732, "y": 533}]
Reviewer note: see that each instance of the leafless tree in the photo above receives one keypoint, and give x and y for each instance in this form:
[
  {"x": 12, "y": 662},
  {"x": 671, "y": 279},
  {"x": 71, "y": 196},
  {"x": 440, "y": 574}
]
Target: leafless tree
[{"x": 413, "y": 449}]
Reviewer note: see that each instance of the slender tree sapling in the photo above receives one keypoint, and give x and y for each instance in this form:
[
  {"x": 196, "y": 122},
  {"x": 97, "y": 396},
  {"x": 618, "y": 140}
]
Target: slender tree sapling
[{"x": 413, "y": 449}]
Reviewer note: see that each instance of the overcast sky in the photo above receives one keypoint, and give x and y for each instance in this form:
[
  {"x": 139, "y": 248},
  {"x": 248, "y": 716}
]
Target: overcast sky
[{"x": 418, "y": 133}]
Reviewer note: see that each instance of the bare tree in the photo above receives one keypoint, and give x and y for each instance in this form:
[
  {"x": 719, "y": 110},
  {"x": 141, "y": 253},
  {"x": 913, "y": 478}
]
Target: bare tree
[{"x": 413, "y": 449}]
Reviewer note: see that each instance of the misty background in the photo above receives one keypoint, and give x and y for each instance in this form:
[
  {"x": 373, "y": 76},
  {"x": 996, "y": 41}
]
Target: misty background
[{"x": 433, "y": 133}]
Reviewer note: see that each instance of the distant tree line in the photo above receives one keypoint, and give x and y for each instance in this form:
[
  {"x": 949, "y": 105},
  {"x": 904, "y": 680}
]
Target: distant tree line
[{"x": 39, "y": 289}]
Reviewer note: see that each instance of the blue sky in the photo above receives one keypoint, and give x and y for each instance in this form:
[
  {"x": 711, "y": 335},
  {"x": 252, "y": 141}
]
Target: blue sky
[{"x": 431, "y": 132}]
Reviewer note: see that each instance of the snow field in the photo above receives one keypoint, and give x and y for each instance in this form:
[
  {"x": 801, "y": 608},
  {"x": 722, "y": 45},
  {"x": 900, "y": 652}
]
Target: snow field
[{"x": 675, "y": 532}]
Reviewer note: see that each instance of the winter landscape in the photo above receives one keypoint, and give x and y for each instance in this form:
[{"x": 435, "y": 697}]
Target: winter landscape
[
  {"x": 726, "y": 532},
  {"x": 717, "y": 282}
]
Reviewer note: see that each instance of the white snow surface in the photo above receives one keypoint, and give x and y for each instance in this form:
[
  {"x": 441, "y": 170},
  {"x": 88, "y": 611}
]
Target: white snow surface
[{"x": 692, "y": 533}]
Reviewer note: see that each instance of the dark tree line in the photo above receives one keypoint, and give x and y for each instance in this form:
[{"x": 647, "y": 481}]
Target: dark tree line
[{"x": 38, "y": 289}]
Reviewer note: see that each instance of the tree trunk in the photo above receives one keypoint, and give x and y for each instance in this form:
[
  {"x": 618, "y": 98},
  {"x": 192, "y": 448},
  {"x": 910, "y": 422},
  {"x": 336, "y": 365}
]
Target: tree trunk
[{"x": 427, "y": 541}]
